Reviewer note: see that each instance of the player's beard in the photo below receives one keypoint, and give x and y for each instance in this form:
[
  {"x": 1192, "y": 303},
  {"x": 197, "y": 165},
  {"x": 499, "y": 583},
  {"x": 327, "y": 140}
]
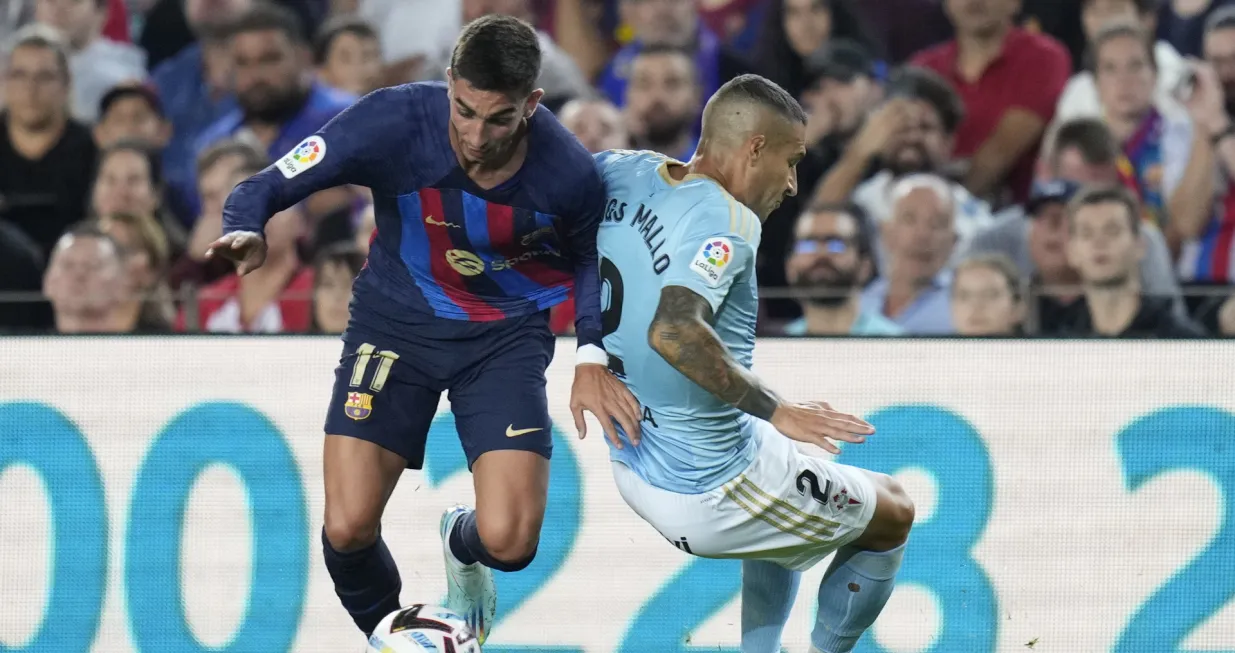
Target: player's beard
[{"x": 273, "y": 106}]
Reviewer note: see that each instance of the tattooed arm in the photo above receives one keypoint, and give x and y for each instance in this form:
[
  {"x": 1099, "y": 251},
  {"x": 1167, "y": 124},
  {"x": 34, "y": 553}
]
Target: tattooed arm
[{"x": 681, "y": 332}]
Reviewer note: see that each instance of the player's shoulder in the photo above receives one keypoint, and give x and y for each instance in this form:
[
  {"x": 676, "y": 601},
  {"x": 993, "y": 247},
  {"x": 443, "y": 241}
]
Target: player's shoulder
[
  {"x": 613, "y": 163},
  {"x": 559, "y": 153},
  {"x": 707, "y": 207},
  {"x": 427, "y": 97}
]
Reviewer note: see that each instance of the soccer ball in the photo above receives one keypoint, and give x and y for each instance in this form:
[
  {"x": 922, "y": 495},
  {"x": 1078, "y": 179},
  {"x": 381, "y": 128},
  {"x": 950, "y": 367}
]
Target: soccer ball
[{"x": 423, "y": 629}]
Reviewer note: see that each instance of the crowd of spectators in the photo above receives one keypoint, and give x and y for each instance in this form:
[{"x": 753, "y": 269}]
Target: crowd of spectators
[{"x": 975, "y": 167}]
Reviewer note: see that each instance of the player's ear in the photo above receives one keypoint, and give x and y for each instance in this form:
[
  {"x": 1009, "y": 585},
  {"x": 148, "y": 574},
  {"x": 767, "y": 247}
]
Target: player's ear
[
  {"x": 533, "y": 101},
  {"x": 757, "y": 146}
]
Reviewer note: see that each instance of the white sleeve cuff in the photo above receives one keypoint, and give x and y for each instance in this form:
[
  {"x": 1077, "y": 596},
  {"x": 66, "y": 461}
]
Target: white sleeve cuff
[{"x": 591, "y": 355}]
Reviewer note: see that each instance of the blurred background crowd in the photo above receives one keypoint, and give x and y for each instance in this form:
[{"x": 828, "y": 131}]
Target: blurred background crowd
[{"x": 975, "y": 167}]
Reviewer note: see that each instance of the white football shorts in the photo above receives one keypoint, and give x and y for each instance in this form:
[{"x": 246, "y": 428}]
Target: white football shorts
[{"x": 787, "y": 507}]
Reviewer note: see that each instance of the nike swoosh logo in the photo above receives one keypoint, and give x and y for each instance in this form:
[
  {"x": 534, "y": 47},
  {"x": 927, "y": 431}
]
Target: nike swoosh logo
[
  {"x": 439, "y": 223},
  {"x": 512, "y": 433}
]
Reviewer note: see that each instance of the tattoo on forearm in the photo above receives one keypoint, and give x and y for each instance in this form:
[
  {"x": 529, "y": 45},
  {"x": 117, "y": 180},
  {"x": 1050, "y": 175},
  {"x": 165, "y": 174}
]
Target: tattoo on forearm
[{"x": 682, "y": 334}]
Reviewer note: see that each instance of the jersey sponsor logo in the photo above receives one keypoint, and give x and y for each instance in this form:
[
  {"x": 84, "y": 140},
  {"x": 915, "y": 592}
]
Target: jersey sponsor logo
[
  {"x": 512, "y": 432},
  {"x": 465, "y": 262},
  {"x": 713, "y": 260},
  {"x": 502, "y": 263},
  {"x": 430, "y": 220},
  {"x": 303, "y": 156},
  {"x": 542, "y": 232},
  {"x": 358, "y": 406}
]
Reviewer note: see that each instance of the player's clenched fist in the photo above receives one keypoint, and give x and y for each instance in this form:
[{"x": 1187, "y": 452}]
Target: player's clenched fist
[
  {"x": 818, "y": 424},
  {"x": 247, "y": 249}
]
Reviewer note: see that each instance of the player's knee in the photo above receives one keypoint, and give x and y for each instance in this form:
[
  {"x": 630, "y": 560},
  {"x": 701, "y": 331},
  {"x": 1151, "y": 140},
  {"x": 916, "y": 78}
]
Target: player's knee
[
  {"x": 510, "y": 540},
  {"x": 894, "y": 515},
  {"x": 349, "y": 532}
]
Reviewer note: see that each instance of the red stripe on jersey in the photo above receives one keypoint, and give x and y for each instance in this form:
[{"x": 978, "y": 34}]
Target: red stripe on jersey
[
  {"x": 501, "y": 221},
  {"x": 450, "y": 280}
]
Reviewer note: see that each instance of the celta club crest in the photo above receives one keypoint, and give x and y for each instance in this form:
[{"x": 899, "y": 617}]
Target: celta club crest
[
  {"x": 358, "y": 405},
  {"x": 842, "y": 500}
]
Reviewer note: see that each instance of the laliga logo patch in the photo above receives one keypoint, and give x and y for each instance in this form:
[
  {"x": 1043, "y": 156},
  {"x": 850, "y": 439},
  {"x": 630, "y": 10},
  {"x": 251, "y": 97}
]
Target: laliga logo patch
[
  {"x": 712, "y": 260},
  {"x": 304, "y": 156}
]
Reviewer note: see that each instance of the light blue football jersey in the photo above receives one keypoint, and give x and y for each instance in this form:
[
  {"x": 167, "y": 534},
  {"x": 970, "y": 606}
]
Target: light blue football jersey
[{"x": 658, "y": 232}]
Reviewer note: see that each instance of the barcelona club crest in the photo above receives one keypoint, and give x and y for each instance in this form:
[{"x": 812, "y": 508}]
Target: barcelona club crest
[{"x": 358, "y": 406}]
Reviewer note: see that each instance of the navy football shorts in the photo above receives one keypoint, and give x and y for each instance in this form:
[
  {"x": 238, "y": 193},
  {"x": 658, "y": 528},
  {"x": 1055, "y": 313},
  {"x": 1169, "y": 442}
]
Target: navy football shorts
[{"x": 388, "y": 393}]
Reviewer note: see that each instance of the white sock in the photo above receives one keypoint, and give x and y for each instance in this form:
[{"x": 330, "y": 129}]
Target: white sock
[
  {"x": 768, "y": 592},
  {"x": 851, "y": 596}
]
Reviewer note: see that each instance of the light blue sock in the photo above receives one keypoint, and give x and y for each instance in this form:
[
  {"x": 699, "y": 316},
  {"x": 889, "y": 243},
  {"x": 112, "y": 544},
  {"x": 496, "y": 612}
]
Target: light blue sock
[
  {"x": 768, "y": 591},
  {"x": 853, "y": 592}
]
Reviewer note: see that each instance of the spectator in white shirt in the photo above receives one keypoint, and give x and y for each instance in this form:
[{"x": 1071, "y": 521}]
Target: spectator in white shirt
[
  {"x": 1080, "y": 97},
  {"x": 96, "y": 64}
]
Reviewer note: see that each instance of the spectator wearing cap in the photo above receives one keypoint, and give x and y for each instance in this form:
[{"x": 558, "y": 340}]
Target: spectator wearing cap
[
  {"x": 673, "y": 23},
  {"x": 195, "y": 89},
  {"x": 843, "y": 84},
  {"x": 830, "y": 262},
  {"x": 1105, "y": 247},
  {"x": 96, "y": 64},
  {"x": 794, "y": 30},
  {"x": 663, "y": 101},
  {"x": 1080, "y": 97},
  {"x": 1009, "y": 80},
  {"x": 920, "y": 237},
  {"x": 986, "y": 297},
  {"x": 46, "y": 158},
  {"x": 911, "y": 133},
  {"x": 348, "y": 55},
  {"x": 132, "y": 112}
]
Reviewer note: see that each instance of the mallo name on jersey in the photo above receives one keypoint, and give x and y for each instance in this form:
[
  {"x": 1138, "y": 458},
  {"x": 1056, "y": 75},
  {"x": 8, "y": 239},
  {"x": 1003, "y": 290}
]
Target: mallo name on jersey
[{"x": 646, "y": 222}]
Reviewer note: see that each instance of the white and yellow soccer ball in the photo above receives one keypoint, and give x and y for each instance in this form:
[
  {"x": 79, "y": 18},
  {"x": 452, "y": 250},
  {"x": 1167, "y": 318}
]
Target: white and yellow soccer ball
[{"x": 423, "y": 629}]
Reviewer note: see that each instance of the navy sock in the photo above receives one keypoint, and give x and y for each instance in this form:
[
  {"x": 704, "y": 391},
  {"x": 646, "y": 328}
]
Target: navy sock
[
  {"x": 467, "y": 547},
  {"x": 366, "y": 581}
]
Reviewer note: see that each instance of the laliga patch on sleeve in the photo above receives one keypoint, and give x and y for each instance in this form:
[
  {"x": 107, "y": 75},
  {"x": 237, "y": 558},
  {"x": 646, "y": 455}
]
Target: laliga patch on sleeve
[
  {"x": 713, "y": 260},
  {"x": 304, "y": 156}
]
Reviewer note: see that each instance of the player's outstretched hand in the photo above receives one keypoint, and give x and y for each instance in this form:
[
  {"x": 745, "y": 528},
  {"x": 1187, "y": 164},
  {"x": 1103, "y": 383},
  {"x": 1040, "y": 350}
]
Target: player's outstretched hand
[
  {"x": 247, "y": 249},
  {"x": 818, "y": 424},
  {"x": 603, "y": 395}
]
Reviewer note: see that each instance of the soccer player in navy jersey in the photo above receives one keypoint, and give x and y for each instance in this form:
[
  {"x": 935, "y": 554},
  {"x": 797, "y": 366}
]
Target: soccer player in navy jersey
[{"x": 487, "y": 210}]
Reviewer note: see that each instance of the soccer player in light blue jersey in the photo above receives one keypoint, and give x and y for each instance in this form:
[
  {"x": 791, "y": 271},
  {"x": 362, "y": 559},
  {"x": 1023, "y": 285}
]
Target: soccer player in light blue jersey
[{"x": 715, "y": 468}]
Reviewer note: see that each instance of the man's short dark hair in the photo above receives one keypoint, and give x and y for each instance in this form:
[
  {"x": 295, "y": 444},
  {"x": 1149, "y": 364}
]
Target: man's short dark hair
[
  {"x": 1106, "y": 195},
  {"x": 336, "y": 27},
  {"x": 763, "y": 92},
  {"x": 925, "y": 85},
  {"x": 498, "y": 53},
  {"x": 1091, "y": 137},
  {"x": 267, "y": 17}
]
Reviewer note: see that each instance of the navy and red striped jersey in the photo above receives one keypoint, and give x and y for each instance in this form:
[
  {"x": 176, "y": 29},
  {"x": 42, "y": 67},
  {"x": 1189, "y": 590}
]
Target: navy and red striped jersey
[{"x": 448, "y": 255}]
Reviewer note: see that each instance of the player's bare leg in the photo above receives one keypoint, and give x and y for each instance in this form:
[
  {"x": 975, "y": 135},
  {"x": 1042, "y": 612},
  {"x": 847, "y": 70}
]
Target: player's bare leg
[
  {"x": 359, "y": 477},
  {"x": 854, "y": 589},
  {"x": 501, "y": 533},
  {"x": 860, "y": 579}
]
